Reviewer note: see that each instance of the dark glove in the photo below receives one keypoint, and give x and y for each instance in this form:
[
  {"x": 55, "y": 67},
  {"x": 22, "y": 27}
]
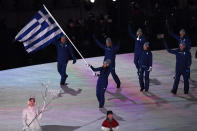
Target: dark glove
[{"x": 74, "y": 61}]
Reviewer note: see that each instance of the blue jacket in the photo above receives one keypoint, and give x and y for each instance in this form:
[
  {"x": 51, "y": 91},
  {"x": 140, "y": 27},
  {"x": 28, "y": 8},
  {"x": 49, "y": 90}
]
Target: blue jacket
[
  {"x": 145, "y": 59},
  {"x": 138, "y": 42},
  {"x": 103, "y": 76},
  {"x": 185, "y": 39},
  {"x": 183, "y": 58},
  {"x": 110, "y": 52},
  {"x": 63, "y": 52}
]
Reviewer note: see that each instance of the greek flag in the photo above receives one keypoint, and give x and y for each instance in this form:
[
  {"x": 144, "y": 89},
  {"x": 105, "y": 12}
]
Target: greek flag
[{"x": 39, "y": 32}]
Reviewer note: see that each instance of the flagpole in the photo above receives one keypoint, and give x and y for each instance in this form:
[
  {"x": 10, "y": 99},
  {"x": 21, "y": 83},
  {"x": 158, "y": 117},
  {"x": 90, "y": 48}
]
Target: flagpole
[{"x": 68, "y": 38}]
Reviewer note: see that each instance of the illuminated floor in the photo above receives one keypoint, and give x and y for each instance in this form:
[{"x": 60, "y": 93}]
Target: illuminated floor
[{"x": 77, "y": 108}]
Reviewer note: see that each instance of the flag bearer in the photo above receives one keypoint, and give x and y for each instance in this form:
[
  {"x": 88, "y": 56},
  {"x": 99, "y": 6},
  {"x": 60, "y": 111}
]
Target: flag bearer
[{"x": 64, "y": 50}]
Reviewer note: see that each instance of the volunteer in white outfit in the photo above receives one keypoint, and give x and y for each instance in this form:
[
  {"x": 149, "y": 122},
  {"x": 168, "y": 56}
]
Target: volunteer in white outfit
[{"x": 30, "y": 118}]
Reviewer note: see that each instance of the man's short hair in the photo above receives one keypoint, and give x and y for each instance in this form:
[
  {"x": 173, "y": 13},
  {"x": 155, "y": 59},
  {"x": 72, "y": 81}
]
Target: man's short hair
[{"x": 30, "y": 99}]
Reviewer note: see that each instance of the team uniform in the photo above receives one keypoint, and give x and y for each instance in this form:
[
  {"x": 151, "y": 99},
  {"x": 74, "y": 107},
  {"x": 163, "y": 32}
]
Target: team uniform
[
  {"x": 145, "y": 66},
  {"x": 183, "y": 63},
  {"x": 102, "y": 83},
  {"x": 64, "y": 51},
  {"x": 110, "y": 53},
  {"x": 185, "y": 39},
  {"x": 139, "y": 42}
]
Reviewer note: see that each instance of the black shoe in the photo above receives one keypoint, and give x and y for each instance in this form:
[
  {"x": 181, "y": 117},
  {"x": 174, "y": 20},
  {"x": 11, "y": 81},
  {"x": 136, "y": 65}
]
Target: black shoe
[
  {"x": 173, "y": 92},
  {"x": 62, "y": 84},
  {"x": 141, "y": 89},
  {"x": 146, "y": 90},
  {"x": 186, "y": 92},
  {"x": 118, "y": 86},
  {"x": 101, "y": 106}
]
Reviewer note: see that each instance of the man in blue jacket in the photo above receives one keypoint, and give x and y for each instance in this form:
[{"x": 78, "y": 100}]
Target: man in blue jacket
[
  {"x": 102, "y": 81},
  {"x": 183, "y": 63},
  {"x": 182, "y": 38},
  {"x": 64, "y": 50},
  {"x": 145, "y": 66},
  {"x": 110, "y": 53},
  {"x": 139, "y": 42}
]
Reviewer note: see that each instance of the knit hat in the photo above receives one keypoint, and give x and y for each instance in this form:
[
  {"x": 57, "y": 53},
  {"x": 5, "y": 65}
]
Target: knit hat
[
  {"x": 108, "y": 40},
  {"x": 139, "y": 31},
  {"x": 108, "y": 62},
  {"x": 182, "y": 31},
  {"x": 146, "y": 44},
  {"x": 109, "y": 112}
]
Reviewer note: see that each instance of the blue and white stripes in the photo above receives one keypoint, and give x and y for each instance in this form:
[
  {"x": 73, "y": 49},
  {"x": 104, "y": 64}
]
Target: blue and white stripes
[{"x": 39, "y": 32}]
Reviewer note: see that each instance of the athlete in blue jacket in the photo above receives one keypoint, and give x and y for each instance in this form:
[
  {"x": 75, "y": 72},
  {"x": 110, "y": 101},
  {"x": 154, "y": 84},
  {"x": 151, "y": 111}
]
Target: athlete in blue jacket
[
  {"x": 183, "y": 63},
  {"x": 64, "y": 50},
  {"x": 102, "y": 81},
  {"x": 182, "y": 39},
  {"x": 110, "y": 53},
  {"x": 139, "y": 42},
  {"x": 145, "y": 66}
]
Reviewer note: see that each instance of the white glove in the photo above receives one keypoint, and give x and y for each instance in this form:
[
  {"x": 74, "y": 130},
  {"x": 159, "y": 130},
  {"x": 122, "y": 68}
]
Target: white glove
[
  {"x": 105, "y": 129},
  {"x": 150, "y": 69},
  {"x": 88, "y": 65}
]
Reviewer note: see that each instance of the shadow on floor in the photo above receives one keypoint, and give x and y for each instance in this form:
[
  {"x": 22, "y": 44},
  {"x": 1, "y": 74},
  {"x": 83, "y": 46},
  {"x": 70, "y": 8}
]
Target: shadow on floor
[
  {"x": 67, "y": 90},
  {"x": 101, "y": 118},
  {"x": 104, "y": 111},
  {"x": 191, "y": 98},
  {"x": 119, "y": 95},
  {"x": 158, "y": 100},
  {"x": 188, "y": 97},
  {"x": 59, "y": 128},
  {"x": 193, "y": 83},
  {"x": 154, "y": 81}
]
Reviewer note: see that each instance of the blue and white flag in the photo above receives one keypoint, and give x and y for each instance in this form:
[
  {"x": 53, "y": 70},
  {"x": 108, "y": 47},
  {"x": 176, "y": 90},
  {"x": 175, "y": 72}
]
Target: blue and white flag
[{"x": 39, "y": 32}]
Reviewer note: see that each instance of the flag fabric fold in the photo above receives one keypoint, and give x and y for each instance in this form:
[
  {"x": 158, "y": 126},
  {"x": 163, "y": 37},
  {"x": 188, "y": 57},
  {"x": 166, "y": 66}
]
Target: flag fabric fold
[{"x": 39, "y": 32}]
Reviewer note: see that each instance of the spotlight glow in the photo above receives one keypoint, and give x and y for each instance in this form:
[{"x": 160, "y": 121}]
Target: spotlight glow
[{"x": 92, "y": 1}]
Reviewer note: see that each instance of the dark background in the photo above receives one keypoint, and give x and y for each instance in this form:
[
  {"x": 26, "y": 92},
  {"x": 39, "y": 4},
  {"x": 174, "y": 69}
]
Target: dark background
[{"x": 81, "y": 18}]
